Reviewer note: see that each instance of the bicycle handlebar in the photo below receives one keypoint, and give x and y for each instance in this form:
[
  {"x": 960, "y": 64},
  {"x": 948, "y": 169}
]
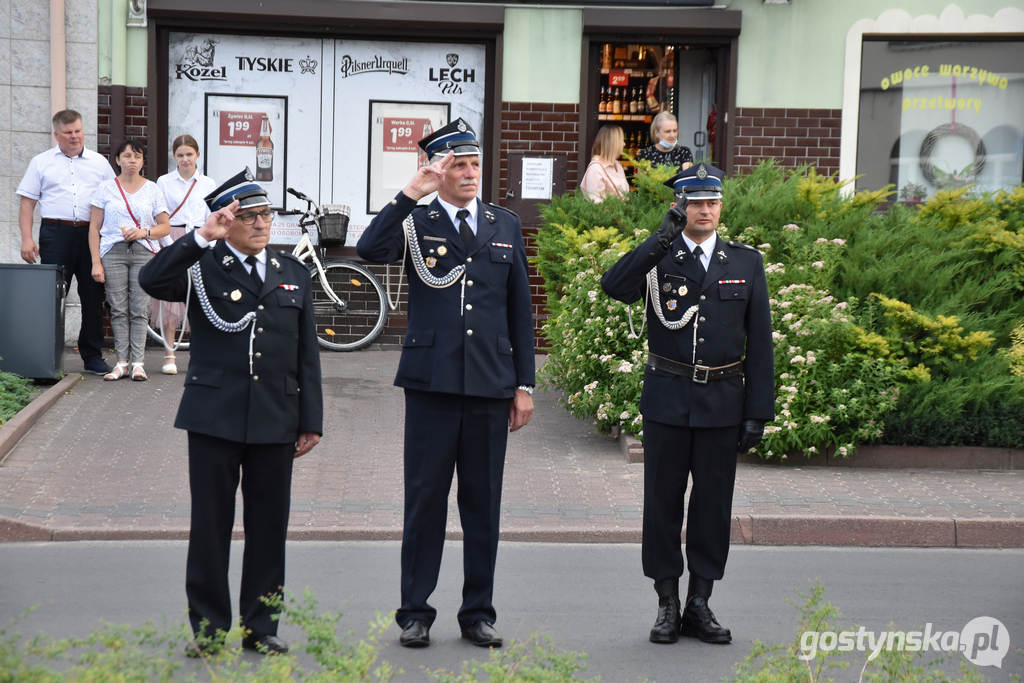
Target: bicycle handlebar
[{"x": 292, "y": 191}]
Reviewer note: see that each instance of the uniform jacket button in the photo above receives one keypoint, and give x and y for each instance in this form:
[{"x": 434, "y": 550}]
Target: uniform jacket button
[
  {"x": 469, "y": 333},
  {"x": 469, "y": 307}
]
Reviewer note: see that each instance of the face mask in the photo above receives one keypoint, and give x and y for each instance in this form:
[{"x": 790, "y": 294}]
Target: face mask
[{"x": 666, "y": 145}]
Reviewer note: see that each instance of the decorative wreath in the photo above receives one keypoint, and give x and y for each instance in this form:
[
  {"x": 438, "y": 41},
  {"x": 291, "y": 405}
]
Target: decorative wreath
[{"x": 965, "y": 176}]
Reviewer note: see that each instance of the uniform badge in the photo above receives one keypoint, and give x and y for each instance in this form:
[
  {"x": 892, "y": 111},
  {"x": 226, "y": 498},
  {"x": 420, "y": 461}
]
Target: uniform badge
[
  {"x": 289, "y": 288},
  {"x": 442, "y": 250},
  {"x": 236, "y": 294},
  {"x": 671, "y": 304},
  {"x": 489, "y": 215},
  {"x": 683, "y": 290},
  {"x": 721, "y": 255},
  {"x": 433, "y": 214},
  {"x": 431, "y": 262},
  {"x": 702, "y": 172},
  {"x": 277, "y": 264},
  {"x": 227, "y": 261},
  {"x": 667, "y": 287}
]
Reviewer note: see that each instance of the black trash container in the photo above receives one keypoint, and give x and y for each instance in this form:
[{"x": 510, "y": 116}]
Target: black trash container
[{"x": 32, "y": 320}]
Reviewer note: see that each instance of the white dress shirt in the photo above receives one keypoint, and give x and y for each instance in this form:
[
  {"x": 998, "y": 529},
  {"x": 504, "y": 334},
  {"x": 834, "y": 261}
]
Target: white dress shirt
[
  {"x": 261, "y": 258},
  {"x": 64, "y": 185},
  {"x": 451, "y": 210},
  {"x": 193, "y": 214},
  {"x": 707, "y": 247}
]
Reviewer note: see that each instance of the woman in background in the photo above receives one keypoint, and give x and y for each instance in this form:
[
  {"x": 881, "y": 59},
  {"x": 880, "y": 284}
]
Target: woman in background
[
  {"x": 604, "y": 175},
  {"x": 183, "y": 190},
  {"x": 665, "y": 149},
  {"x": 128, "y": 219}
]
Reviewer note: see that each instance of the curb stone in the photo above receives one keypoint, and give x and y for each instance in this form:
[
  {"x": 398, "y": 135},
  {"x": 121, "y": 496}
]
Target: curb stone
[{"x": 15, "y": 428}]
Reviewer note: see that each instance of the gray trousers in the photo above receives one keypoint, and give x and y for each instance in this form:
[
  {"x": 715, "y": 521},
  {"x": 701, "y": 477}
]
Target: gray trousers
[{"x": 129, "y": 304}]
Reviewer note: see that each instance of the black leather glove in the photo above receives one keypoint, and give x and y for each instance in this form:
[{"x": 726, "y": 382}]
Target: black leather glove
[
  {"x": 751, "y": 433},
  {"x": 672, "y": 224}
]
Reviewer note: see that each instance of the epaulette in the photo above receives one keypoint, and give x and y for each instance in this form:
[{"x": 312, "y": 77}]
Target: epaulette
[
  {"x": 502, "y": 208},
  {"x": 741, "y": 245},
  {"x": 293, "y": 257}
]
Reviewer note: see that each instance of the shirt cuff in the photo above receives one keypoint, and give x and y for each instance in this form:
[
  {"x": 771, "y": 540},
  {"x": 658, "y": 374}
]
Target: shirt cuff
[{"x": 201, "y": 241}]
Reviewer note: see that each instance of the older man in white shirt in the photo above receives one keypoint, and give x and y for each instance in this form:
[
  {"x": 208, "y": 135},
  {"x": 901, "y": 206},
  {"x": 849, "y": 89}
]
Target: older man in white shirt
[{"x": 62, "y": 180}]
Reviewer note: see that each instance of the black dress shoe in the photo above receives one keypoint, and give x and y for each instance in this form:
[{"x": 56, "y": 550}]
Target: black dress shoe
[
  {"x": 699, "y": 622},
  {"x": 481, "y": 634},
  {"x": 267, "y": 644},
  {"x": 97, "y": 366},
  {"x": 416, "y": 634},
  {"x": 666, "y": 626}
]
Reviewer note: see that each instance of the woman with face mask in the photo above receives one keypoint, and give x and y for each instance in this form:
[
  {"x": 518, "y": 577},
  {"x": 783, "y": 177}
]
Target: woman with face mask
[{"x": 666, "y": 150}]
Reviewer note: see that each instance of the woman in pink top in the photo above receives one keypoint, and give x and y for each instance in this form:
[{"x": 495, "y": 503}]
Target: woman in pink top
[{"x": 604, "y": 175}]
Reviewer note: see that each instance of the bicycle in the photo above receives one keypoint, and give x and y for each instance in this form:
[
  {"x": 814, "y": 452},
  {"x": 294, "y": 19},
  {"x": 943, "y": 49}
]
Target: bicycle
[{"x": 348, "y": 299}]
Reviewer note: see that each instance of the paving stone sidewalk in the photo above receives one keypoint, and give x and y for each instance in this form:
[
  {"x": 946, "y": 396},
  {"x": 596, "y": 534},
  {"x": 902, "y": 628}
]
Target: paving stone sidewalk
[{"x": 105, "y": 462}]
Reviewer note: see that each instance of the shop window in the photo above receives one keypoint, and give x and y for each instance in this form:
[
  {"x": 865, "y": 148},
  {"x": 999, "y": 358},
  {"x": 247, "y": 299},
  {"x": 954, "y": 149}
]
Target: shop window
[{"x": 940, "y": 114}]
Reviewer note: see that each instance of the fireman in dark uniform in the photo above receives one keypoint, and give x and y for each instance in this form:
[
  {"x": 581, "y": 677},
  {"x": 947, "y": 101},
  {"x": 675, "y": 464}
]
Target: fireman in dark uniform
[
  {"x": 252, "y": 402},
  {"x": 708, "y": 391},
  {"x": 467, "y": 368}
]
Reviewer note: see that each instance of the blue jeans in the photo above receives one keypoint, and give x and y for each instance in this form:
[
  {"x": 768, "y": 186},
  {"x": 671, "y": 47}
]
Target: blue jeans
[{"x": 129, "y": 303}]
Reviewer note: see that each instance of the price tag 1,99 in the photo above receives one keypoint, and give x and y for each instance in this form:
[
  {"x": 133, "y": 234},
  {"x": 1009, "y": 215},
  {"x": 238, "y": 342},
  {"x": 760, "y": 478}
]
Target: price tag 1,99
[
  {"x": 401, "y": 135},
  {"x": 240, "y": 127}
]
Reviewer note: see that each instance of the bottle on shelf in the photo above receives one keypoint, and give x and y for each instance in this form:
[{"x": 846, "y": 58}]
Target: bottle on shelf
[
  {"x": 617, "y": 102},
  {"x": 632, "y": 101},
  {"x": 602, "y": 105}
]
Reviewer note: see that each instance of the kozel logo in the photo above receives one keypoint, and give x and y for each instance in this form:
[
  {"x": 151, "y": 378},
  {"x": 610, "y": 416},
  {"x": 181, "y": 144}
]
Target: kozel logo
[
  {"x": 448, "y": 79},
  {"x": 376, "y": 64},
  {"x": 197, "y": 64}
]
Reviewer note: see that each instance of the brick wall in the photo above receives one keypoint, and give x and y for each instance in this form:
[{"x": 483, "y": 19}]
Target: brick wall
[
  {"x": 136, "y": 117},
  {"x": 790, "y": 136},
  {"x": 539, "y": 127}
]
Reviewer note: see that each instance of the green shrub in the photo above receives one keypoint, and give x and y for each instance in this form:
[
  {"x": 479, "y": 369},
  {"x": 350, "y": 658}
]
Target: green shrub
[
  {"x": 929, "y": 294},
  {"x": 15, "y": 394}
]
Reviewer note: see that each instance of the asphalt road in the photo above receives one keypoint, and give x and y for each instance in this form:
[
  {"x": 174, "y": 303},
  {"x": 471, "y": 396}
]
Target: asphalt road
[{"x": 586, "y": 597}]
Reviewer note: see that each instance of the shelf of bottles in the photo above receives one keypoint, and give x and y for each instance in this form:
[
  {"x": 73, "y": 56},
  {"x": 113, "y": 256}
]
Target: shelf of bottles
[{"x": 636, "y": 82}]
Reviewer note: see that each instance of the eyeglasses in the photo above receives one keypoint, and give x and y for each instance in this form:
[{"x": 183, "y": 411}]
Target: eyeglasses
[{"x": 250, "y": 218}]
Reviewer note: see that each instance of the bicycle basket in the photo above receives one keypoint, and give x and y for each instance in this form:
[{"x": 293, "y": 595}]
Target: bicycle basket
[{"x": 334, "y": 225}]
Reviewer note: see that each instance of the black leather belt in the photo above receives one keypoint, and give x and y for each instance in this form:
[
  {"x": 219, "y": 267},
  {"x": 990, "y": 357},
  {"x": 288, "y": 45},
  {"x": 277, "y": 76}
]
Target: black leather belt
[
  {"x": 70, "y": 224},
  {"x": 700, "y": 374}
]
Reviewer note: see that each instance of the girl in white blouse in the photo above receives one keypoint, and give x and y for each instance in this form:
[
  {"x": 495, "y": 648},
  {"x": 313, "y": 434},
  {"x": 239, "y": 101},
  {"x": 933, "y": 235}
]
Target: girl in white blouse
[
  {"x": 184, "y": 189},
  {"x": 129, "y": 216}
]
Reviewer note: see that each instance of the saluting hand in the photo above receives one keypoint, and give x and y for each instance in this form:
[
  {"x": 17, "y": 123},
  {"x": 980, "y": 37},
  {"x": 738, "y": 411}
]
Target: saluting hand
[
  {"x": 216, "y": 225},
  {"x": 428, "y": 178}
]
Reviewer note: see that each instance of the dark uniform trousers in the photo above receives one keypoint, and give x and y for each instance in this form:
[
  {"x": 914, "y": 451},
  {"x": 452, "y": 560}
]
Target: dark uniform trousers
[
  {"x": 691, "y": 429},
  {"x": 68, "y": 246},
  {"x": 446, "y": 433},
  {"x": 241, "y": 425},
  {"x": 467, "y": 348}
]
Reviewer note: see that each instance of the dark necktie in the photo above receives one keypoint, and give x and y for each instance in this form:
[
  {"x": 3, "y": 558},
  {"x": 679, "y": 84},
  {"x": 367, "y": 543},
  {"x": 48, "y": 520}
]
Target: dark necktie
[
  {"x": 468, "y": 238},
  {"x": 697, "y": 253},
  {"x": 254, "y": 273}
]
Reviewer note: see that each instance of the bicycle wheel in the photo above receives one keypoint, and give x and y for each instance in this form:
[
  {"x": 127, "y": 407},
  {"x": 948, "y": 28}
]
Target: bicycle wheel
[{"x": 358, "y": 316}]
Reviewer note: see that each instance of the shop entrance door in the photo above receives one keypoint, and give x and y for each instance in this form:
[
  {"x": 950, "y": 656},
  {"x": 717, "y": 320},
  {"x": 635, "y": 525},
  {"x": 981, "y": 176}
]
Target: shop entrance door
[{"x": 630, "y": 83}]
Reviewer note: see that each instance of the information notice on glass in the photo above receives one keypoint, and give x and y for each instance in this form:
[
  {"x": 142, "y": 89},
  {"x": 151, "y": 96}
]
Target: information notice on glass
[{"x": 538, "y": 176}]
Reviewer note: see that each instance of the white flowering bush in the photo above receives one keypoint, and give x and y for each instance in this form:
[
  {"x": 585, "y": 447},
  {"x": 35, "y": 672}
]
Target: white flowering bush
[
  {"x": 594, "y": 358},
  {"x": 833, "y": 388}
]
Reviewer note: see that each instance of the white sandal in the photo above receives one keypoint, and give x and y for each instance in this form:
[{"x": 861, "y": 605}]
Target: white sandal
[
  {"x": 138, "y": 373},
  {"x": 169, "y": 367},
  {"x": 117, "y": 372}
]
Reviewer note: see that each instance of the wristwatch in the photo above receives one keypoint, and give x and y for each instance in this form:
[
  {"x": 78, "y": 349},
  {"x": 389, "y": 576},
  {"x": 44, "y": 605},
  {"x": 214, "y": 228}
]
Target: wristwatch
[{"x": 525, "y": 387}]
